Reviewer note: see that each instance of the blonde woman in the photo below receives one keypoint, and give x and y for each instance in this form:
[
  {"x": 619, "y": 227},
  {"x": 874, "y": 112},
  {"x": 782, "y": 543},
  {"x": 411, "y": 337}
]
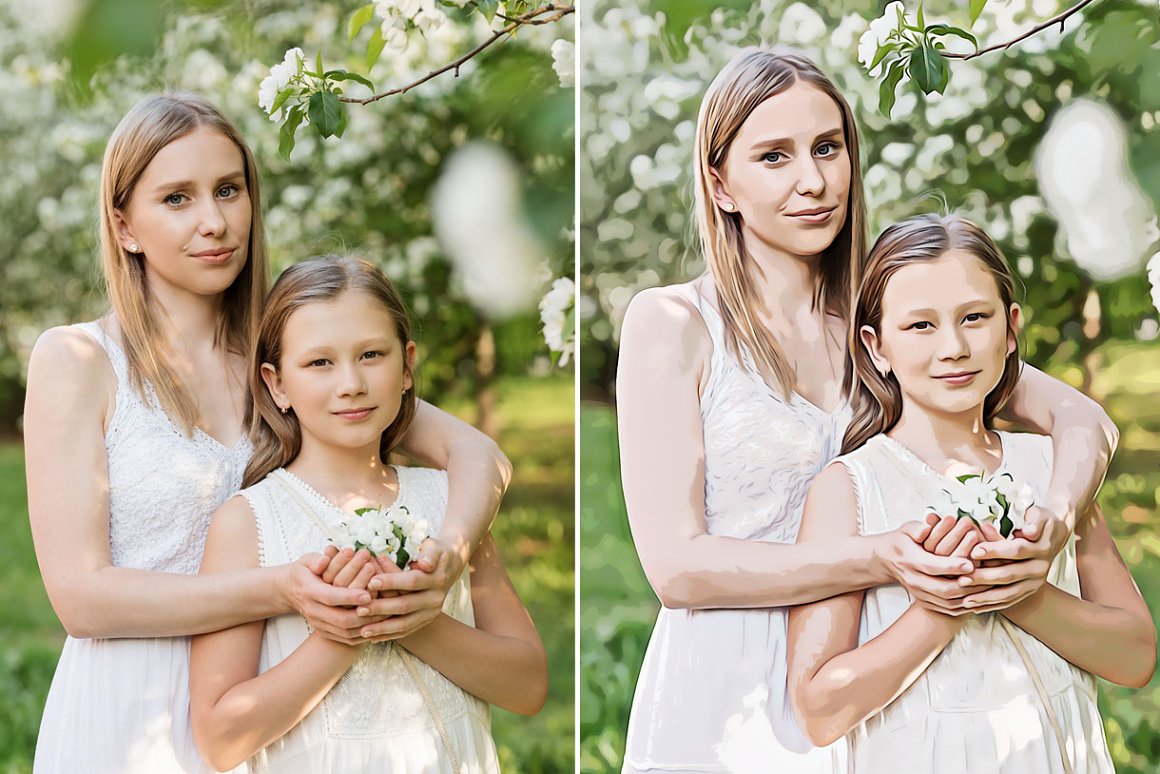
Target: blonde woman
[
  {"x": 732, "y": 383},
  {"x": 133, "y": 436}
]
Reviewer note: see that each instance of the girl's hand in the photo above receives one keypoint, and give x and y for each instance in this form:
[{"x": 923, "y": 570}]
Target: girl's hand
[
  {"x": 328, "y": 609},
  {"x": 408, "y": 601},
  {"x": 1012, "y": 569},
  {"x": 929, "y": 578}
]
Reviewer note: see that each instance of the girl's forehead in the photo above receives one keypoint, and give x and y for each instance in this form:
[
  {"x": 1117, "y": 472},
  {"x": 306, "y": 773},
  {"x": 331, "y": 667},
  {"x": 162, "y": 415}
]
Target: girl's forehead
[{"x": 953, "y": 278}]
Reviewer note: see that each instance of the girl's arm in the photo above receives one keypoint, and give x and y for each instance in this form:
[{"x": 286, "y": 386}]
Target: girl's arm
[
  {"x": 664, "y": 360},
  {"x": 1109, "y": 610},
  {"x": 501, "y": 659},
  {"x": 834, "y": 683},
  {"x": 71, "y": 389},
  {"x": 235, "y": 711}
]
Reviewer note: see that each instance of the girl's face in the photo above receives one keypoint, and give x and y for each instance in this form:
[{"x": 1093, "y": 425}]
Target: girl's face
[
  {"x": 944, "y": 333},
  {"x": 343, "y": 370},
  {"x": 189, "y": 214},
  {"x": 787, "y": 172}
]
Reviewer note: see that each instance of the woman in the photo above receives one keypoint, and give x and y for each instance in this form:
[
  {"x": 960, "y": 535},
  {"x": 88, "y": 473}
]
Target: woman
[
  {"x": 133, "y": 436},
  {"x": 732, "y": 383}
]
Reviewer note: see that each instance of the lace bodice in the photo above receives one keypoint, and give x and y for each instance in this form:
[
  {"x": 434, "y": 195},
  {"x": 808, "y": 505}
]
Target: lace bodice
[
  {"x": 378, "y": 697},
  {"x": 163, "y": 484},
  {"x": 761, "y": 452}
]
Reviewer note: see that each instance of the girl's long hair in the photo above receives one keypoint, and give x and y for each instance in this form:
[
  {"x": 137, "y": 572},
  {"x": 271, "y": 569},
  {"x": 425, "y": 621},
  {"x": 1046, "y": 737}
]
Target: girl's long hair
[
  {"x": 877, "y": 399},
  {"x": 277, "y": 437},
  {"x": 752, "y": 77},
  {"x": 147, "y": 128}
]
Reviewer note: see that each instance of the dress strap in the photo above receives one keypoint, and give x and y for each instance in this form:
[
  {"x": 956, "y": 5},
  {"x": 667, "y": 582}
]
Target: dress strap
[
  {"x": 116, "y": 356},
  {"x": 1043, "y": 697}
]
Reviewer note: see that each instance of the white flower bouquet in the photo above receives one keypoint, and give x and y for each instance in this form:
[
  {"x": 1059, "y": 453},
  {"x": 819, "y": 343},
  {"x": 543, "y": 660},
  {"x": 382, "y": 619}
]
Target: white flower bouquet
[
  {"x": 393, "y": 532},
  {"x": 997, "y": 500}
]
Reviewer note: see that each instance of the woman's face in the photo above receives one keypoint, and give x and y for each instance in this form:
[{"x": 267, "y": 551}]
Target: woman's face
[
  {"x": 787, "y": 172},
  {"x": 189, "y": 214},
  {"x": 943, "y": 333}
]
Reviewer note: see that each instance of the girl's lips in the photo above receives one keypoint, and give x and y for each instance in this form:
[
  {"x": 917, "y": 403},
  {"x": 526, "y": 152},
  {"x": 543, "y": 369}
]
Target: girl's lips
[
  {"x": 355, "y": 414},
  {"x": 958, "y": 380}
]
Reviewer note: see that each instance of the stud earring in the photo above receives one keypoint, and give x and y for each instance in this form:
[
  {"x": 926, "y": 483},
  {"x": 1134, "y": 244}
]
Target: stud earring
[
  {"x": 285, "y": 409},
  {"x": 133, "y": 248},
  {"x": 728, "y": 206}
]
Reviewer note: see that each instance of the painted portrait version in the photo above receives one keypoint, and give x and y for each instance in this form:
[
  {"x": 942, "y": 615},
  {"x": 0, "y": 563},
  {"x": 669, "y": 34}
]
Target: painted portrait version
[{"x": 868, "y": 450}]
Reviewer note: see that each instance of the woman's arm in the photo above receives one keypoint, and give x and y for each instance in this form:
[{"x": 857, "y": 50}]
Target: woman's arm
[
  {"x": 71, "y": 389},
  {"x": 664, "y": 357},
  {"x": 834, "y": 683},
  {"x": 1110, "y": 609},
  {"x": 501, "y": 659},
  {"x": 235, "y": 711}
]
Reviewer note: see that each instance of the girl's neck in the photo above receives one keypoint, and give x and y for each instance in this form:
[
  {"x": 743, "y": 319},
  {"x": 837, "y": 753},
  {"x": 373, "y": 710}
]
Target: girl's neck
[
  {"x": 785, "y": 281},
  {"x": 350, "y": 478},
  {"x": 948, "y": 442}
]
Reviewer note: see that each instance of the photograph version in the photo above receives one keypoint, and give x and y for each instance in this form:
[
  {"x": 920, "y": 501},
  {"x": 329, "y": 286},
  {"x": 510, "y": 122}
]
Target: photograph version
[
  {"x": 288, "y": 392},
  {"x": 868, "y": 450}
]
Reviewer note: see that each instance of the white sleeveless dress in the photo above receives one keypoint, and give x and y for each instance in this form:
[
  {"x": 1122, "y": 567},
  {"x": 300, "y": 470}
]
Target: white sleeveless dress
[
  {"x": 975, "y": 709},
  {"x": 121, "y": 706},
  {"x": 376, "y": 718},
  {"x": 711, "y": 695}
]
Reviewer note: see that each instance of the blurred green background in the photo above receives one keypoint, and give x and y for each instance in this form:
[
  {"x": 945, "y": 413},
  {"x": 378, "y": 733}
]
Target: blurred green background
[
  {"x": 70, "y": 69},
  {"x": 644, "y": 65}
]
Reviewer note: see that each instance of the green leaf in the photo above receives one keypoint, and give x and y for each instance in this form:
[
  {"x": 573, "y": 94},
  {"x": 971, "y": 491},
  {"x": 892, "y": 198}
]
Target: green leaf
[
  {"x": 375, "y": 47},
  {"x": 358, "y": 19},
  {"x": 325, "y": 112},
  {"x": 343, "y": 75},
  {"x": 929, "y": 70},
  {"x": 286, "y": 134},
  {"x": 488, "y": 8},
  {"x": 882, "y": 53},
  {"x": 342, "y": 118},
  {"x": 886, "y": 95},
  {"x": 946, "y": 29},
  {"x": 966, "y": 477},
  {"x": 976, "y": 9},
  {"x": 921, "y": 18},
  {"x": 318, "y": 63},
  {"x": 283, "y": 95},
  {"x": 1005, "y": 526}
]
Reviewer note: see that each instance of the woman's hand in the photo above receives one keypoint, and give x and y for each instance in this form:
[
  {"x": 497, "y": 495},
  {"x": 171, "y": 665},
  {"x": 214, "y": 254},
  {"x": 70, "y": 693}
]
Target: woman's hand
[
  {"x": 329, "y": 609},
  {"x": 925, "y": 574},
  {"x": 407, "y": 600},
  {"x": 1012, "y": 569}
]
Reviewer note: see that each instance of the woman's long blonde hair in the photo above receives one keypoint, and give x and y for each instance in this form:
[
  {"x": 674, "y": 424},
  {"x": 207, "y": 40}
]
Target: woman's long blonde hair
[
  {"x": 877, "y": 399},
  {"x": 752, "y": 77},
  {"x": 147, "y": 128},
  {"x": 277, "y": 437}
]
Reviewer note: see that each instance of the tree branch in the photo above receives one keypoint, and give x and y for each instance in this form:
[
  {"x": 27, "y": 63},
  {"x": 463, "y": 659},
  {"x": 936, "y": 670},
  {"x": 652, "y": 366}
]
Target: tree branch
[
  {"x": 1057, "y": 19},
  {"x": 546, "y": 14}
]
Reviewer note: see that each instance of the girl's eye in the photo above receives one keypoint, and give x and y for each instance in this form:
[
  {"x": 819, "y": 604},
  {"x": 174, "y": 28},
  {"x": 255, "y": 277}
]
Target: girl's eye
[
  {"x": 372, "y": 354},
  {"x": 975, "y": 317},
  {"x": 175, "y": 199},
  {"x": 921, "y": 325},
  {"x": 772, "y": 157},
  {"x": 320, "y": 362}
]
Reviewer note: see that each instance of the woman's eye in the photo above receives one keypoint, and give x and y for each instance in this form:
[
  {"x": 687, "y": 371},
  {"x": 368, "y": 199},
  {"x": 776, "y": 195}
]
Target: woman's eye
[
  {"x": 772, "y": 157},
  {"x": 175, "y": 199},
  {"x": 827, "y": 149},
  {"x": 228, "y": 191}
]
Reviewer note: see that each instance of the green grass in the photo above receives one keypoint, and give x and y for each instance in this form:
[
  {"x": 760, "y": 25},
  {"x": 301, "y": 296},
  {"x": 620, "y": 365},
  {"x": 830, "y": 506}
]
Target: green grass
[
  {"x": 617, "y": 607},
  {"x": 534, "y": 531}
]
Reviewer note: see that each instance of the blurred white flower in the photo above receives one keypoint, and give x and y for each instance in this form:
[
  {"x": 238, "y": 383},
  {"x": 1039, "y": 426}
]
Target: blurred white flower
[
  {"x": 279, "y": 78},
  {"x": 875, "y": 36},
  {"x": 428, "y": 21},
  {"x": 394, "y": 38},
  {"x": 800, "y": 24},
  {"x": 564, "y": 61},
  {"x": 554, "y": 308},
  {"x": 1083, "y": 172},
  {"x": 478, "y": 218},
  {"x": 1154, "y": 279}
]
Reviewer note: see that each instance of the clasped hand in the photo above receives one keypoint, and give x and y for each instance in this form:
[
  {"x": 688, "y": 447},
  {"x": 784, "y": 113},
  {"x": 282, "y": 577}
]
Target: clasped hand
[
  {"x": 353, "y": 598},
  {"x": 996, "y": 572}
]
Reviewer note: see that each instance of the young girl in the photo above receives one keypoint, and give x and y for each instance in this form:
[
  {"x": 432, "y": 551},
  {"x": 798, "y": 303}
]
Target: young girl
[
  {"x": 934, "y": 358},
  {"x": 133, "y": 436},
  {"x": 333, "y": 390},
  {"x": 732, "y": 384}
]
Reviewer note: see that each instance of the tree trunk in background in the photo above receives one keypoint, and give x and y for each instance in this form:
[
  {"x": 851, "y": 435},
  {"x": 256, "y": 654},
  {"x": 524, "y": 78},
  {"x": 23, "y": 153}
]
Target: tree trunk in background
[
  {"x": 1091, "y": 331},
  {"x": 486, "y": 417}
]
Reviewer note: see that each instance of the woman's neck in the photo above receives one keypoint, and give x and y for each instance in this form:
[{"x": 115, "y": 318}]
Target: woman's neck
[
  {"x": 949, "y": 443},
  {"x": 784, "y": 281},
  {"x": 350, "y": 478},
  {"x": 189, "y": 322}
]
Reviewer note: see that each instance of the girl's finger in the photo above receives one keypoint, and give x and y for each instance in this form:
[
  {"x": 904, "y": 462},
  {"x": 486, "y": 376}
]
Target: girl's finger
[
  {"x": 349, "y": 572},
  {"x": 336, "y": 564},
  {"x": 967, "y": 543},
  {"x": 938, "y": 532},
  {"x": 951, "y": 540},
  {"x": 364, "y": 576}
]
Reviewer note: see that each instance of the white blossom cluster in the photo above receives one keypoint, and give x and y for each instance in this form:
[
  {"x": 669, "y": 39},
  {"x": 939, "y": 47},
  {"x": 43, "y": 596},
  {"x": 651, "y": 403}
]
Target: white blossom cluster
[
  {"x": 554, "y": 308},
  {"x": 281, "y": 75},
  {"x": 564, "y": 61},
  {"x": 400, "y": 15},
  {"x": 997, "y": 500},
  {"x": 875, "y": 36},
  {"x": 393, "y": 532}
]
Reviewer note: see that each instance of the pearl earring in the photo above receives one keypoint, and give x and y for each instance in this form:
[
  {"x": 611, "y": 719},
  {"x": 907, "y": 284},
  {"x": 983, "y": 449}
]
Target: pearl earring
[
  {"x": 285, "y": 409},
  {"x": 728, "y": 206},
  {"x": 133, "y": 247}
]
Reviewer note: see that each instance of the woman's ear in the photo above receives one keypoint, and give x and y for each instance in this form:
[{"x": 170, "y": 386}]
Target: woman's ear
[
  {"x": 870, "y": 341},
  {"x": 1015, "y": 314},
  {"x": 721, "y": 191},
  {"x": 273, "y": 382},
  {"x": 408, "y": 366},
  {"x": 125, "y": 232}
]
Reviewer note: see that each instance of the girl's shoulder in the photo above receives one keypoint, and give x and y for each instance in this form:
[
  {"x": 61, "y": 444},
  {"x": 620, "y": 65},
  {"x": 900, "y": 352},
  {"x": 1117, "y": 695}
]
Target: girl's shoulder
[{"x": 416, "y": 480}]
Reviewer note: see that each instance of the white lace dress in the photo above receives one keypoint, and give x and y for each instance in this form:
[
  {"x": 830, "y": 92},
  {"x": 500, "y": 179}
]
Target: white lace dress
[
  {"x": 121, "y": 706},
  {"x": 711, "y": 695},
  {"x": 377, "y": 718},
  {"x": 976, "y": 708}
]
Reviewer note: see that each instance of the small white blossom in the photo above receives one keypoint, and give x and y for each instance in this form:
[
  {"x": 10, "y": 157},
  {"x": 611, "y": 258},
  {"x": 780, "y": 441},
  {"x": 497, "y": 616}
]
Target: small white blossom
[
  {"x": 564, "y": 61},
  {"x": 554, "y": 307},
  {"x": 383, "y": 532},
  {"x": 1154, "y": 279},
  {"x": 279, "y": 78},
  {"x": 978, "y": 498},
  {"x": 876, "y": 35}
]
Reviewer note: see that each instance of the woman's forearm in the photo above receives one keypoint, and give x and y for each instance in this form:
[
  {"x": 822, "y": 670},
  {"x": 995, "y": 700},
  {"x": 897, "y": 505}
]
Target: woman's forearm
[
  {"x": 1079, "y": 631},
  {"x": 713, "y": 571},
  {"x": 126, "y": 602},
  {"x": 857, "y": 684},
  {"x": 508, "y": 672},
  {"x": 478, "y": 474},
  {"x": 253, "y": 714}
]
